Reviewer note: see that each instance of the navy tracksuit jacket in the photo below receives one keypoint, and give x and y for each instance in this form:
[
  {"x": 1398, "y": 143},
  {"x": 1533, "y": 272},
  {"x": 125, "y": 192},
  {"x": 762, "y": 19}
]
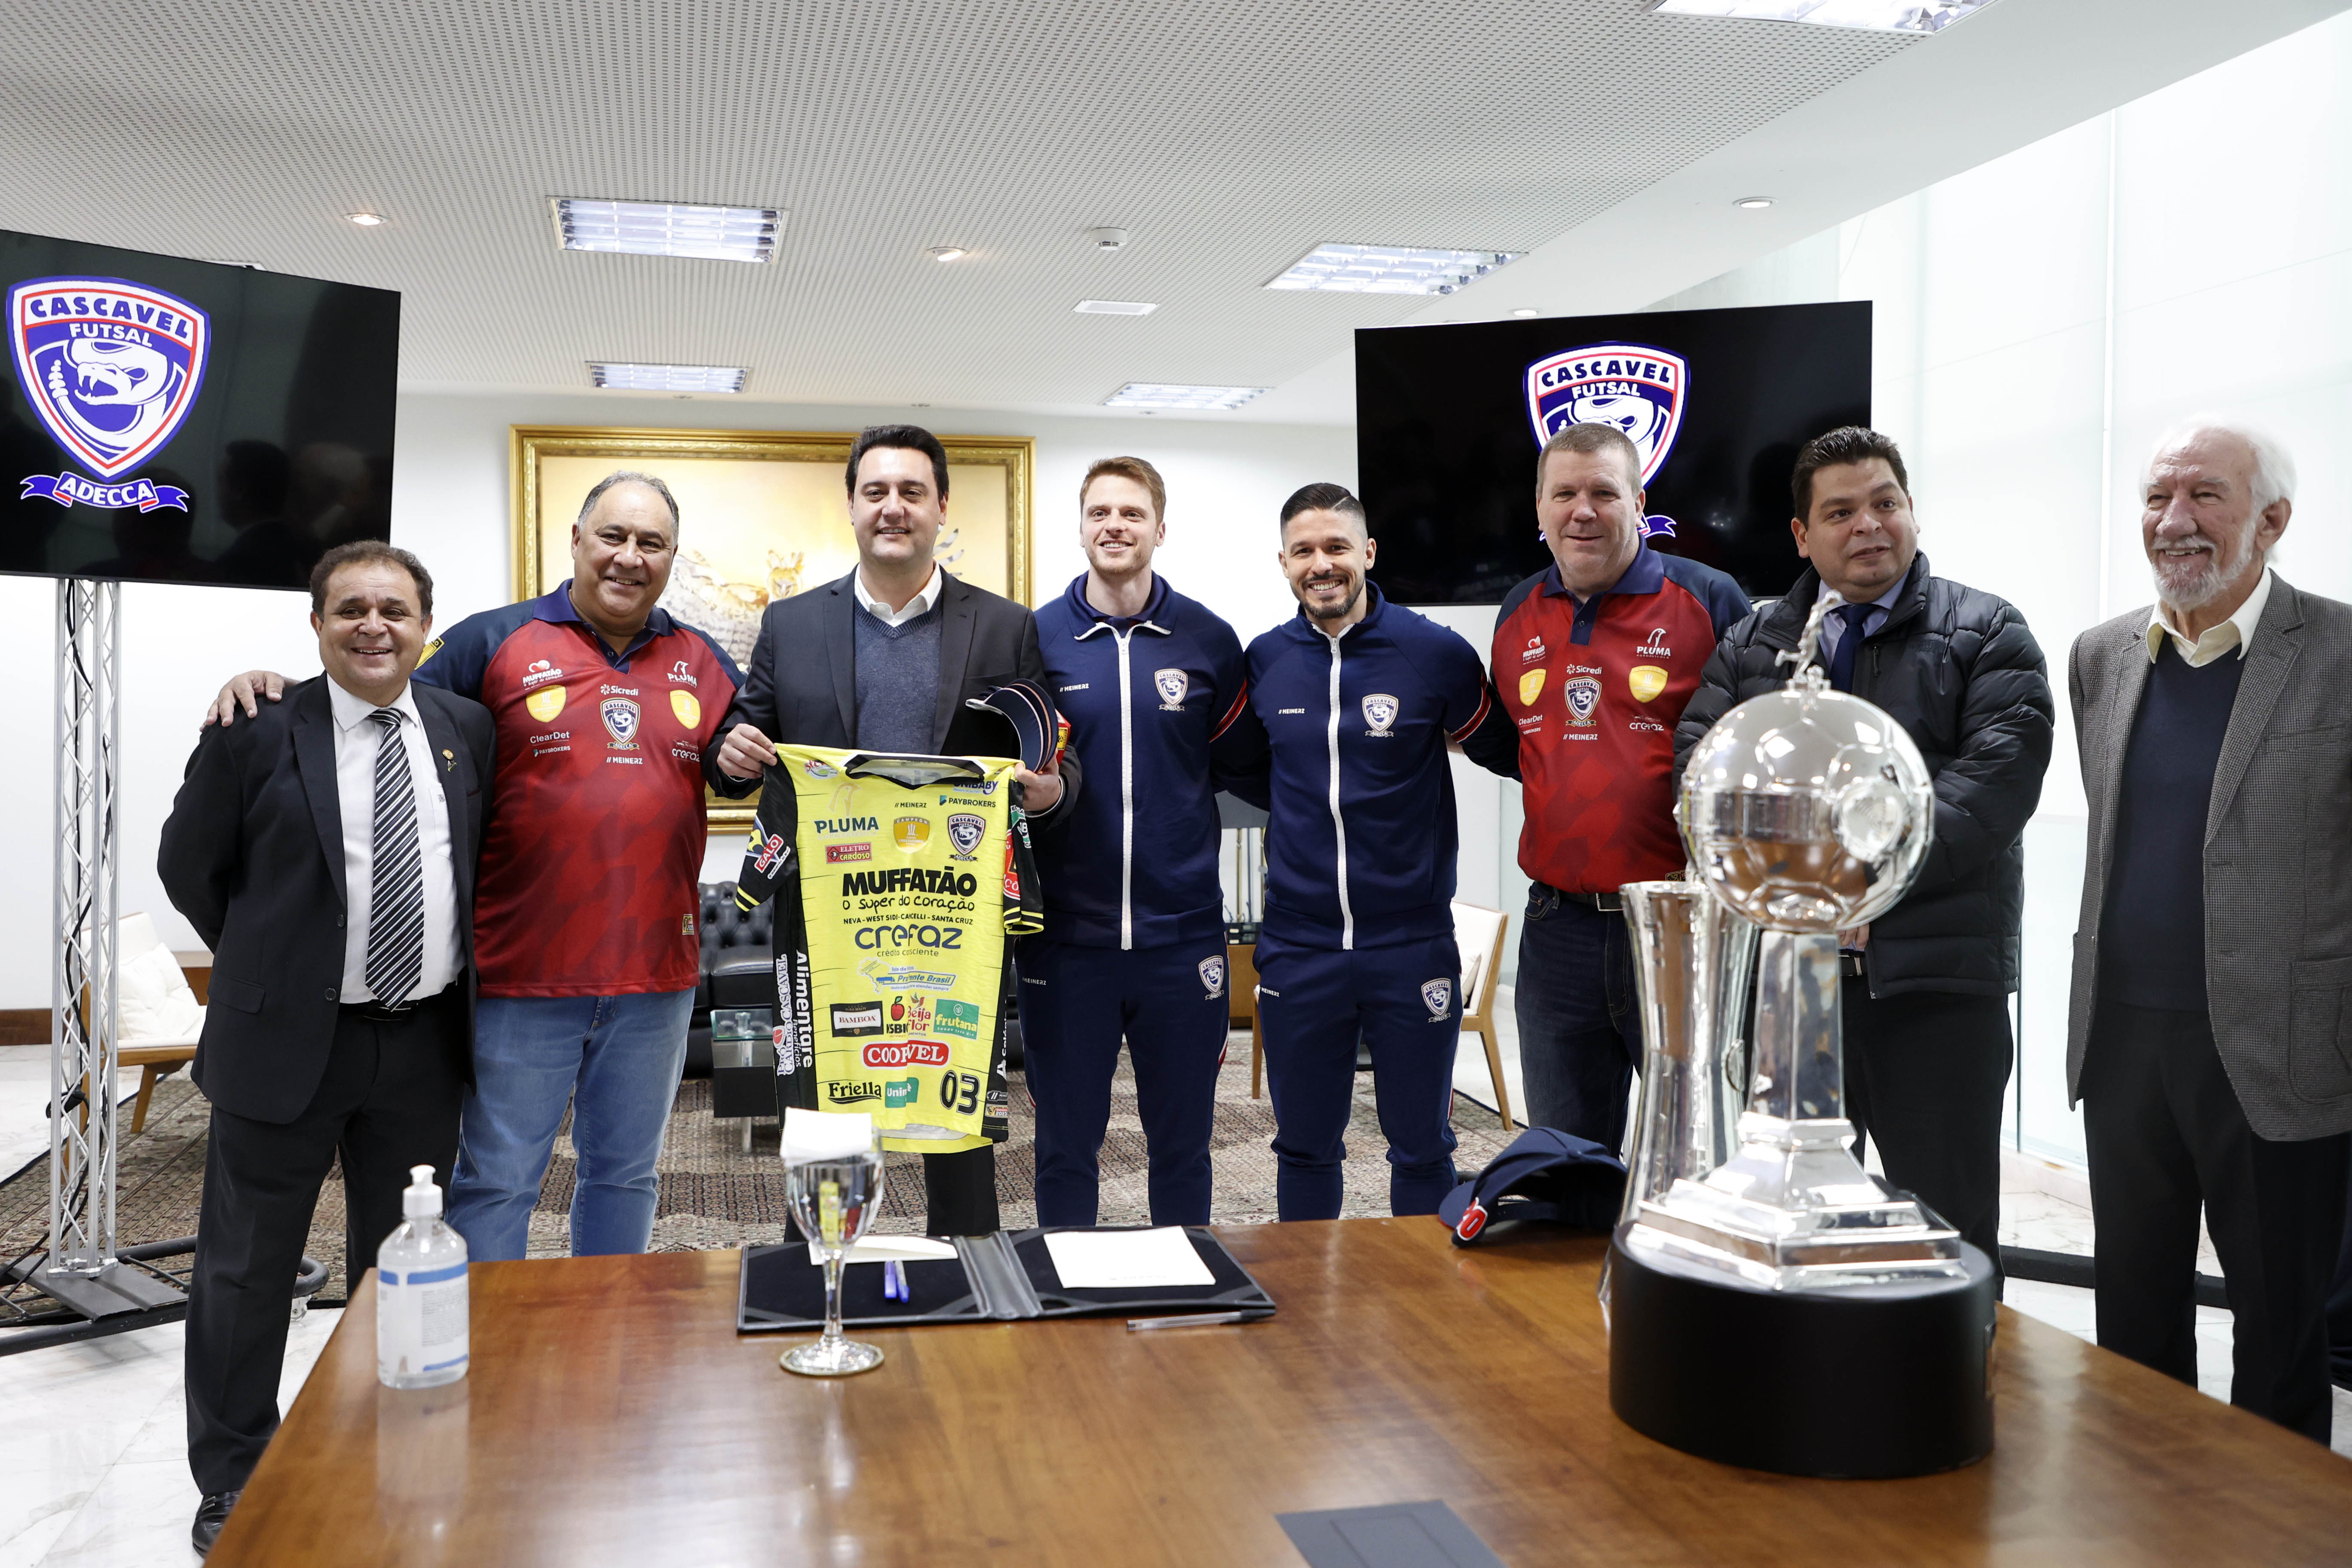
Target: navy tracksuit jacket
[
  {"x": 1350, "y": 733},
  {"x": 1134, "y": 943}
]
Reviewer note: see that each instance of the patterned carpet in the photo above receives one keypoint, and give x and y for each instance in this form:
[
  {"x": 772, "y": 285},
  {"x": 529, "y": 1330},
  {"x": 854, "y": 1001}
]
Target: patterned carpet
[{"x": 715, "y": 1195}]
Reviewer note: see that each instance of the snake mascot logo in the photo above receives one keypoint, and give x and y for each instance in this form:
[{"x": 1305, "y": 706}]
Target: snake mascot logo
[
  {"x": 1631, "y": 387},
  {"x": 112, "y": 368}
]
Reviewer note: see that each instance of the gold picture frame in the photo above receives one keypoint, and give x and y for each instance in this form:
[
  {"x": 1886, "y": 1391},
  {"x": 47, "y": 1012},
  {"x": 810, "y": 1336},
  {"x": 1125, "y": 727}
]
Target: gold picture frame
[{"x": 760, "y": 510}]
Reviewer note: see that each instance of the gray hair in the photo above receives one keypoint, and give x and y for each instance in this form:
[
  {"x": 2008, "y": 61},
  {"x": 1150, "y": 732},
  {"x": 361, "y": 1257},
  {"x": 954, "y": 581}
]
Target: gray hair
[
  {"x": 2274, "y": 465},
  {"x": 630, "y": 477}
]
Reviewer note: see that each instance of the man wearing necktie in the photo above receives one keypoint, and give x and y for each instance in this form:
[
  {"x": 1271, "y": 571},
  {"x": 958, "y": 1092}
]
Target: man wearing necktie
[
  {"x": 324, "y": 850},
  {"x": 1926, "y": 984}
]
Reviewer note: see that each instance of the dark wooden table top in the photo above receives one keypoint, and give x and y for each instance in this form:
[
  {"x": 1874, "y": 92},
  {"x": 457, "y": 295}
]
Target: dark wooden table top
[{"x": 614, "y": 1417}]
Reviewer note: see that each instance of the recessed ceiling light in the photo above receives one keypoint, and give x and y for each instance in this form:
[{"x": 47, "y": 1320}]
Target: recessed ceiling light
[
  {"x": 1526, "y": 312},
  {"x": 667, "y": 377},
  {"x": 668, "y": 228},
  {"x": 1753, "y": 203},
  {"x": 1389, "y": 270},
  {"x": 1148, "y": 394},
  {"x": 1873, "y": 15},
  {"x": 365, "y": 220},
  {"x": 1114, "y": 308},
  {"x": 946, "y": 252}
]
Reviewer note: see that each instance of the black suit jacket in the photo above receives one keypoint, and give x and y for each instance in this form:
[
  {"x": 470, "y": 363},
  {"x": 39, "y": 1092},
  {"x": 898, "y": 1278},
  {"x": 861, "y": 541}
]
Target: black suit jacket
[
  {"x": 253, "y": 855},
  {"x": 801, "y": 686}
]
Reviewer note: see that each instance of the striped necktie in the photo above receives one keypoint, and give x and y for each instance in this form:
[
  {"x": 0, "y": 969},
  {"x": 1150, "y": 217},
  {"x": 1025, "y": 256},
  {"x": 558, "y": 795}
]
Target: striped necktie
[{"x": 395, "y": 948}]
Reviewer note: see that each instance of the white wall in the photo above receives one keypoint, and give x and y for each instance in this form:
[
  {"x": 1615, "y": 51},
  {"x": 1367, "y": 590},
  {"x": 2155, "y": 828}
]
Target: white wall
[
  {"x": 450, "y": 504},
  {"x": 2041, "y": 319}
]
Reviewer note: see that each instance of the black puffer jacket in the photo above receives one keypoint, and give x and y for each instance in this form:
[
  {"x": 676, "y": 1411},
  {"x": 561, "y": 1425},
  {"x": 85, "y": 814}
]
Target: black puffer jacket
[{"x": 1957, "y": 668}]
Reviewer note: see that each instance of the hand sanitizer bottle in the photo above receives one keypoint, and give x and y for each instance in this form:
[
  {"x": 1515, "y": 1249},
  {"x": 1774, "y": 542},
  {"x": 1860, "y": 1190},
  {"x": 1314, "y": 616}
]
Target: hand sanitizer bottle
[{"x": 422, "y": 1330}]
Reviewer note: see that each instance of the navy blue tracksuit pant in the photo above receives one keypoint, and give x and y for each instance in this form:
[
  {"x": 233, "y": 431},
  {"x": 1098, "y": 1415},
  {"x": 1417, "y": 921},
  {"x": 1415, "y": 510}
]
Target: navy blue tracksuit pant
[
  {"x": 1170, "y": 1005},
  {"x": 1313, "y": 1004}
]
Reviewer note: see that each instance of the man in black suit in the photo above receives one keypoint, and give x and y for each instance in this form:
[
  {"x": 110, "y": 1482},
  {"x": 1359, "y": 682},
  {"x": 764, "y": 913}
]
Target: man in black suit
[
  {"x": 883, "y": 660},
  {"x": 324, "y": 850}
]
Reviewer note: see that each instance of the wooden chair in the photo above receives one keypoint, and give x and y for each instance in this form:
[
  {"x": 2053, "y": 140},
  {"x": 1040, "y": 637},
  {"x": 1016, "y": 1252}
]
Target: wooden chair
[
  {"x": 154, "y": 1058},
  {"x": 1478, "y": 933}
]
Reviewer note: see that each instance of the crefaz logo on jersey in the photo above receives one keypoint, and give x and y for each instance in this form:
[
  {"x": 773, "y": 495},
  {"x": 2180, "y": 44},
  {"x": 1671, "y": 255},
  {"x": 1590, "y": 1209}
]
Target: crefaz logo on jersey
[
  {"x": 112, "y": 368},
  {"x": 1630, "y": 387},
  {"x": 965, "y": 830},
  {"x": 1379, "y": 712},
  {"x": 1172, "y": 684},
  {"x": 620, "y": 716}
]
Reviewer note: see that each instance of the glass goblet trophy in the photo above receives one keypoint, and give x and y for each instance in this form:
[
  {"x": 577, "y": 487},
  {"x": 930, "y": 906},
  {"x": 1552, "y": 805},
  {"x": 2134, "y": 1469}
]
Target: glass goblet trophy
[{"x": 833, "y": 1200}]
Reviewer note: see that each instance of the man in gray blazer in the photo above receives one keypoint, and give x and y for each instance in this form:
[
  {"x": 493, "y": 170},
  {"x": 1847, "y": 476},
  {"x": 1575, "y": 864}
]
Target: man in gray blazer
[{"x": 2209, "y": 1036}]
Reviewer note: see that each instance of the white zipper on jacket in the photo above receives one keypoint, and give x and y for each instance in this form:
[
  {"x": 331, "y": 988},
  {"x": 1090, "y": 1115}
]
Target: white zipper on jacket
[
  {"x": 1338, "y": 824},
  {"x": 1126, "y": 797}
]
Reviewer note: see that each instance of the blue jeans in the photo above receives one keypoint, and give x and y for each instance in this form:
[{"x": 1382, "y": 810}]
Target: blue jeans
[
  {"x": 1579, "y": 1022},
  {"x": 1313, "y": 1006},
  {"x": 616, "y": 1061}
]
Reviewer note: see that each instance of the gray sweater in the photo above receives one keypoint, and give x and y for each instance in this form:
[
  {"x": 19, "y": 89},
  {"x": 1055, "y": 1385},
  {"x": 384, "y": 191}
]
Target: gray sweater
[{"x": 898, "y": 680}]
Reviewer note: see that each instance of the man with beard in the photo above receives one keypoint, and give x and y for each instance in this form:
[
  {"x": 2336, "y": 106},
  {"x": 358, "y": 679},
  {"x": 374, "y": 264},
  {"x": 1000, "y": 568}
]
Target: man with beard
[
  {"x": 1925, "y": 997},
  {"x": 584, "y": 925},
  {"x": 1353, "y": 704},
  {"x": 2210, "y": 1039}
]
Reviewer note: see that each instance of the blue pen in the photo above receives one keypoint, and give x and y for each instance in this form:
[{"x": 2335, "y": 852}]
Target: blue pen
[{"x": 894, "y": 1281}]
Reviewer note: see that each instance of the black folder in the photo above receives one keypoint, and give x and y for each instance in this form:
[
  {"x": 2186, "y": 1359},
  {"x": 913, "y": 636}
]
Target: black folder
[{"x": 1004, "y": 1277}]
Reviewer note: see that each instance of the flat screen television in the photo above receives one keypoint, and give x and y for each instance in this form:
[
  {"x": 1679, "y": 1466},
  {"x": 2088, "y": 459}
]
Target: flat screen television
[
  {"x": 1449, "y": 421},
  {"x": 172, "y": 421}
]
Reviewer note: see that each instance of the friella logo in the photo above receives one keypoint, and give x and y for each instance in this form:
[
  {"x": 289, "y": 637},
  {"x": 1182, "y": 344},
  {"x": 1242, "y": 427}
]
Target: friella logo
[
  {"x": 908, "y": 1053},
  {"x": 113, "y": 369},
  {"x": 1635, "y": 390}
]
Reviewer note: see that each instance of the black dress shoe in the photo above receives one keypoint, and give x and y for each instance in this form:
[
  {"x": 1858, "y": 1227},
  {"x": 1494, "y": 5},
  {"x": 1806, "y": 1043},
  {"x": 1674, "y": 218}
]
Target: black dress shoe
[{"x": 211, "y": 1514}]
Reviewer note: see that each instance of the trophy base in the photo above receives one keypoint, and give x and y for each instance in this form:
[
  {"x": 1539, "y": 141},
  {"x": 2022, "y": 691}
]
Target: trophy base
[{"x": 1864, "y": 1380}]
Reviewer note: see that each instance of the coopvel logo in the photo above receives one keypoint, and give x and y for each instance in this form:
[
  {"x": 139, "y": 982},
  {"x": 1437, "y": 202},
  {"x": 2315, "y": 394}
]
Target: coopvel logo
[
  {"x": 1635, "y": 388},
  {"x": 112, "y": 368}
]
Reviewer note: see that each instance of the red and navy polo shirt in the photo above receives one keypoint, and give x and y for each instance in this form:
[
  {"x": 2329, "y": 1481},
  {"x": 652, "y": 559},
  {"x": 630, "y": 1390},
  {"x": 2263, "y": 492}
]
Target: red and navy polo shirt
[
  {"x": 1595, "y": 689},
  {"x": 595, "y": 842}
]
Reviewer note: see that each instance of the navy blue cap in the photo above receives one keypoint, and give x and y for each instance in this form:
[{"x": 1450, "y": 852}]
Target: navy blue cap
[
  {"x": 1545, "y": 1174},
  {"x": 1032, "y": 715}
]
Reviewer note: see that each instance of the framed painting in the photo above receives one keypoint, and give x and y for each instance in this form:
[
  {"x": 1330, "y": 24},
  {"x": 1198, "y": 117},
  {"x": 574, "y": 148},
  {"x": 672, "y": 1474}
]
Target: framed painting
[{"x": 762, "y": 515}]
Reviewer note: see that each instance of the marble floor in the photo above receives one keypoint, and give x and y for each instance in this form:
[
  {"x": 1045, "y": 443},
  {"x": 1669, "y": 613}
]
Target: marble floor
[{"x": 24, "y": 1101}]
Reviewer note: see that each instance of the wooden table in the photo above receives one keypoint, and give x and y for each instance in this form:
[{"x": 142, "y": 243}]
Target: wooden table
[{"x": 614, "y": 1417}]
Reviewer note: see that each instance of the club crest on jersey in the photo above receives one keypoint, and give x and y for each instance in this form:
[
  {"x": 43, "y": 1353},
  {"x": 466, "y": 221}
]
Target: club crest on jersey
[
  {"x": 1531, "y": 688},
  {"x": 112, "y": 367},
  {"x": 965, "y": 830},
  {"x": 1645, "y": 682},
  {"x": 910, "y": 833},
  {"x": 1582, "y": 695},
  {"x": 687, "y": 707},
  {"x": 621, "y": 718},
  {"x": 1439, "y": 996},
  {"x": 545, "y": 703},
  {"x": 1381, "y": 712},
  {"x": 1172, "y": 684},
  {"x": 1212, "y": 977},
  {"x": 1630, "y": 387}
]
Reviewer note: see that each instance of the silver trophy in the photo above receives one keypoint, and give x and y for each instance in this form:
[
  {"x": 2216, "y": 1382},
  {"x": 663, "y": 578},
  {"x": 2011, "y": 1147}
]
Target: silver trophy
[{"x": 1807, "y": 812}]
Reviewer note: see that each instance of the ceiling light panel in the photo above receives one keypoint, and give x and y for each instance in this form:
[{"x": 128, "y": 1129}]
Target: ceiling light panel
[
  {"x": 667, "y": 377},
  {"x": 1869, "y": 15},
  {"x": 1114, "y": 308},
  {"x": 668, "y": 228},
  {"x": 1389, "y": 270},
  {"x": 1163, "y": 394}
]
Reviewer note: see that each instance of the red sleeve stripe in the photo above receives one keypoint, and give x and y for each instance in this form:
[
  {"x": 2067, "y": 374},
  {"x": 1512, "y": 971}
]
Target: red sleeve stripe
[
  {"x": 1486, "y": 705},
  {"x": 1241, "y": 701}
]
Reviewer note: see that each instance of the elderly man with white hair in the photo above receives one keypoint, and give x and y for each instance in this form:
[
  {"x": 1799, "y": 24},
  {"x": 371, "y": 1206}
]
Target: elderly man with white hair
[{"x": 2210, "y": 1039}]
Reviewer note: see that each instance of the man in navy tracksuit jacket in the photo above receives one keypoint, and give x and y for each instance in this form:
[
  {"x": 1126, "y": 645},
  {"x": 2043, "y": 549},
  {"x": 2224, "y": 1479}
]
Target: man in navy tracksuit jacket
[
  {"x": 1357, "y": 700},
  {"x": 1134, "y": 943}
]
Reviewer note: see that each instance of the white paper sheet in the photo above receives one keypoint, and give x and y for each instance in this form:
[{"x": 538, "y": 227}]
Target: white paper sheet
[
  {"x": 1126, "y": 1259},
  {"x": 825, "y": 1134},
  {"x": 883, "y": 1248}
]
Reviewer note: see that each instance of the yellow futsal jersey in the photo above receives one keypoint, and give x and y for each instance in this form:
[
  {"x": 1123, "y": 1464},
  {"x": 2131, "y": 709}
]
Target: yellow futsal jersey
[{"x": 897, "y": 880}]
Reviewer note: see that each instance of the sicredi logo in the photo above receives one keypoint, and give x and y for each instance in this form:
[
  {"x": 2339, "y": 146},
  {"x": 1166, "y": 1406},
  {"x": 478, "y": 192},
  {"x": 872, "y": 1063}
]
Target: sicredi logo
[{"x": 908, "y": 1053}]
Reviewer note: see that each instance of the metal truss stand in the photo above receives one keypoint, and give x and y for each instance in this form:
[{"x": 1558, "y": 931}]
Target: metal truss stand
[{"x": 83, "y": 1271}]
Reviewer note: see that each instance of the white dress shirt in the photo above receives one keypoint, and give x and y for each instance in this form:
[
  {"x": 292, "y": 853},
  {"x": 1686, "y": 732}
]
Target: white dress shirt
[
  {"x": 356, "y": 745},
  {"x": 2237, "y": 632},
  {"x": 1833, "y": 624},
  {"x": 920, "y": 605}
]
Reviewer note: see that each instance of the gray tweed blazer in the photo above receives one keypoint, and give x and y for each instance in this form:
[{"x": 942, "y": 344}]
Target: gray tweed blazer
[{"x": 2278, "y": 856}]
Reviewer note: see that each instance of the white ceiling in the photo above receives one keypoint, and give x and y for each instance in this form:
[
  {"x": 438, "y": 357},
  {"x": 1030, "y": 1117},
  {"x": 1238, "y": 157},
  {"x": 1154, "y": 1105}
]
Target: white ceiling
[{"x": 1228, "y": 136}]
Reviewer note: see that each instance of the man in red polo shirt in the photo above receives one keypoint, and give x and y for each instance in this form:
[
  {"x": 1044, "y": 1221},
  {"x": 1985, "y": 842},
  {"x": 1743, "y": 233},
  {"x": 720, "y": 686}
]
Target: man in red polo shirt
[{"x": 1595, "y": 657}]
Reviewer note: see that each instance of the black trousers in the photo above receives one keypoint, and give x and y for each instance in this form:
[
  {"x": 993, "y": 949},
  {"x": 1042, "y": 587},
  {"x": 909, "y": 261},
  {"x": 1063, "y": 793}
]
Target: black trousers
[
  {"x": 2167, "y": 1136},
  {"x": 1925, "y": 1075},
  {"x": 959, "y": 1192},
  {"x": 388, "y": 1100}
]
